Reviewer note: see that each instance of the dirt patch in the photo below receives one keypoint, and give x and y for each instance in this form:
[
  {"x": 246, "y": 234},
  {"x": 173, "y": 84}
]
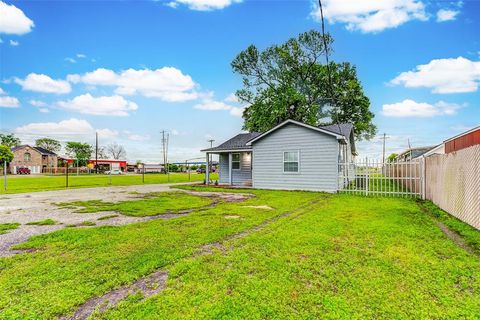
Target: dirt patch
[
  {"x": 263, "y": 207},
  {"x": 147, "y": 286},
  {"x": 231, "y": 217},
  {"x": 455, "y": 237}
]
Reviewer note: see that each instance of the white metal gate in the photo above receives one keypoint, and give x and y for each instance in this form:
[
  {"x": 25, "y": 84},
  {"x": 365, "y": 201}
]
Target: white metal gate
[{"x": 374, "y": 177}]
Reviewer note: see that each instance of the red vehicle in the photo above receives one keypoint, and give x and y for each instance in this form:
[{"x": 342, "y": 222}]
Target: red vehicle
[{"x": 23, "y": 171}]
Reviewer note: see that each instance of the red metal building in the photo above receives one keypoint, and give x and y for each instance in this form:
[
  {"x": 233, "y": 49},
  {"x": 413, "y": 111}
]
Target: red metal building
[{"x": 463, "y": 140}]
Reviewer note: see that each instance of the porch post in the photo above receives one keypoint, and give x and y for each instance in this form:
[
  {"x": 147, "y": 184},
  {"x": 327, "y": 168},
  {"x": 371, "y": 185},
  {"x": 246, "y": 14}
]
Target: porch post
[
  {"x": 230, "y": 179},
  {"x": 207, "y": 171}
]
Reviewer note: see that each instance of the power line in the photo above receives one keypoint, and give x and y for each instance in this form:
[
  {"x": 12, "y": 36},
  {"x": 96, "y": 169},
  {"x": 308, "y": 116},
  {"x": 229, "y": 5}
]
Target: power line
[{"x": 330, "y": 84}]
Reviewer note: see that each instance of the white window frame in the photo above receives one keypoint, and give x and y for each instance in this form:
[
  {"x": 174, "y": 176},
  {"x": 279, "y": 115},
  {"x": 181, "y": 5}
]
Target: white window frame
[
  {"x": 298, "y": 161},
  {"x": 239, "y": 161}
]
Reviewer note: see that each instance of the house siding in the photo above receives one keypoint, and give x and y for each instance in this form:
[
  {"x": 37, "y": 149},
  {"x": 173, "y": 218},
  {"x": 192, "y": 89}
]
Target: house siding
[
  {"x": 239, "y": 177},
  {"x": 223, "y": 168},
  {"x": 318, "y": 167}
]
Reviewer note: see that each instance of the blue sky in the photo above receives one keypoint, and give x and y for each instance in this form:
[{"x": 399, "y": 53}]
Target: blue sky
[{"x": 130, "y": 69}]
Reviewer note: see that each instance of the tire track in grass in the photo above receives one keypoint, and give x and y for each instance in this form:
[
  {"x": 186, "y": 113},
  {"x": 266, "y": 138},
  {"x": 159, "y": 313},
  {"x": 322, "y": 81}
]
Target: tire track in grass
[{"x": 154, "y": 283}]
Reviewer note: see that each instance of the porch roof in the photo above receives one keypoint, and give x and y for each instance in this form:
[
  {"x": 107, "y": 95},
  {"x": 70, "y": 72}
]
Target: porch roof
[{"x": 237, "y": 143}]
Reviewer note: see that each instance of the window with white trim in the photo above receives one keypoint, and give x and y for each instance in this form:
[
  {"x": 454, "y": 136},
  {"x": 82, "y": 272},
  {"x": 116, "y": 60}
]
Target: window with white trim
[
  {"x": 235, "y": 161},
  {"x": 27, "y": 157},
  {"x": 291, "y": 161}
]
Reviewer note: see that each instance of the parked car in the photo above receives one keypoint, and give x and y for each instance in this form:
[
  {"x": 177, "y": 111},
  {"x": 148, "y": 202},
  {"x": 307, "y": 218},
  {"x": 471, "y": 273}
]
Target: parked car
[
  {"x": 114, "y": 172},
  {"x": 23, "y": 171}
]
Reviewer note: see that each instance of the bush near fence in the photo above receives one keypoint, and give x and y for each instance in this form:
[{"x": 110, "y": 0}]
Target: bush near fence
[{"x": 453, "y": 183}]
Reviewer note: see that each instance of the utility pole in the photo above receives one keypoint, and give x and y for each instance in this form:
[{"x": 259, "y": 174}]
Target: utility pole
[
  {"x": 163, "y": 150},
  {"x": 210, "y": 160},
  {"x": 96, "y": 152},
  {"x": 383, "y": 153}
]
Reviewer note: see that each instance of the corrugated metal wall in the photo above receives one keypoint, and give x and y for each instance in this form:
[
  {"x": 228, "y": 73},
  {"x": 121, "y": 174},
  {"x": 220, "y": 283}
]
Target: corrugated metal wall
[{"x": 468, "y": 140}]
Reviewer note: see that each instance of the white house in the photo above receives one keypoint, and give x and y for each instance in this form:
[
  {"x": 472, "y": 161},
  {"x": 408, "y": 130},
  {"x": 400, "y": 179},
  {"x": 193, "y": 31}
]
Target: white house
[{"x": 291, "y": 156}]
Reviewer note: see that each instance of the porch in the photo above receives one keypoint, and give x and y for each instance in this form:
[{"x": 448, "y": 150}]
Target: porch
[{"x": 235, "y": 167}]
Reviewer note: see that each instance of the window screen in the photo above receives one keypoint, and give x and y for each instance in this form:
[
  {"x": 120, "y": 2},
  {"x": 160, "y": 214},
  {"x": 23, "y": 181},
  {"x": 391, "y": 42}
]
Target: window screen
[
  {"x": 290, "y": 161},
  {"x": 236, "y": 161}
]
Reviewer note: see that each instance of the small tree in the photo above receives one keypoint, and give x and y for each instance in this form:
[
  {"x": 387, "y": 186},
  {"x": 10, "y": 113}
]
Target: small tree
[
  {"x": 49, "y": 144},
  {"x": 392, "y": 157},
  {"x": 116, "y": 151},
  {"x": 9, "y": 140},
  {"x": 6, "y": 155},
  {"x": 79, "y": 151}
]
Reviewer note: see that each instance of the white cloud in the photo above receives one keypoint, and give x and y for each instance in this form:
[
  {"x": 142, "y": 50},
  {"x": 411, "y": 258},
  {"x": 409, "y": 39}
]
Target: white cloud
[
  {"x": 203, "y": 5},
  {"x": 212, "y": 105},
  {"x": 209, "y": 104},
  {"x": 64, "y": 130},
  {"x": 107, "y": 133},
  {"x": 167, "y": 83},
  {"x": 44, "y": 110},
  {"x": 13, "y": 20},
  {"x": 14, "y": 43},
  {"x": 231, "y": 98},
  {"x": 81, "y": 55},
  {"x": 1, "y": 41},
  {"x": 172, "y": 4},
  {"x": 9, "y": 102},
  {"x": 37, "y": 103},
  {"x": 43, "y": 83},
  {"x": 138, "y": 137},
  {"x": 2, "y": 91},
  {"x": 371, "y": 15},
  {"x": 443, "y": 76},
  {"x": 105, "y": 105},
  {"x": 446, "y": 15},
  {"x": 71, "y": 127},
  {"x": 411, "y": 108},
  {"x": 71, "y": 60},
  {"x": 237, "y": 111}
]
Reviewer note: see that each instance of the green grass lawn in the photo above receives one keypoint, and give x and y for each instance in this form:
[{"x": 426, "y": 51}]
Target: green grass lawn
[
  {"x": 344, "y": 257},
  {"x": 152, "y": 204},
  {"x": 5, "y": 227},
  {"x": 18, "y": 184}
]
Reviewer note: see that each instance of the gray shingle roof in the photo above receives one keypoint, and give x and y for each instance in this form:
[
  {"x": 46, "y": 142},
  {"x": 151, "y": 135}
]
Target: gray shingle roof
[
  {"x": 236, "y": 143},
  {"x": 43, "y": 151},
  {"x": 344, "y": 129}
]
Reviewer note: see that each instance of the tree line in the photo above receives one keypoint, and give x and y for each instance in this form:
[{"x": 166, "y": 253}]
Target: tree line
[{"x": 80, "y": 151}]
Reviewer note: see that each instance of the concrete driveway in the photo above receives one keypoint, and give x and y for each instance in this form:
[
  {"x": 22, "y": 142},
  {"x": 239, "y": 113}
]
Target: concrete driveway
[{"x": 30, "y": 207}]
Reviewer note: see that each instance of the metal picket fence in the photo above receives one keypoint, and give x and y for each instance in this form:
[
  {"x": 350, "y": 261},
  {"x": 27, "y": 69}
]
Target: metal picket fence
[{"x": 372, "y": 177}]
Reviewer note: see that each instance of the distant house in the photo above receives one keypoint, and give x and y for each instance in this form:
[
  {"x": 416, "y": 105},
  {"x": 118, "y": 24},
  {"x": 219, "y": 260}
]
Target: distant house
[
  {"x": 413, "y": 153},
  {"x": 36, "y": 159},
  {"x": 292, "y": 156}
]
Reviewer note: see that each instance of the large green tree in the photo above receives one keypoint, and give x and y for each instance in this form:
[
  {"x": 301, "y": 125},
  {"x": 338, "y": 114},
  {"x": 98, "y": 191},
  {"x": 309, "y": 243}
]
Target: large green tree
[
  {"x": 79, "y": 151},
  {"x": 5, "y": 155},
  {"x": 288, "y": 81},
  {"x": 49, "y": 144},
  {"x": 9, "y": 140}
]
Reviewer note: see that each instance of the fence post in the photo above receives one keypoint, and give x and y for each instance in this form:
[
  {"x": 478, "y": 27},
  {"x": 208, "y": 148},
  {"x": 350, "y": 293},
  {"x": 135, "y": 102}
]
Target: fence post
[
  {"x": 5, "y": 175},
  {"x": 424, "y": 177},
  {"x": 367, "y": 177}
]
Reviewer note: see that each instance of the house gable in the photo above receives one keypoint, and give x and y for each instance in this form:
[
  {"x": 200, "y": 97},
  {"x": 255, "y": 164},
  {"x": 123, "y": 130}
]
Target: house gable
[{"x": 293, "y": 122}]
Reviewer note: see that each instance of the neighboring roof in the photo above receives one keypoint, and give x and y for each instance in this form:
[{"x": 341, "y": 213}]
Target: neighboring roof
[
  {"x": 438, "y": 149},
  {"x": 44, "y": 151},
  {"x": 420, "y": 150},
  {"x": 239, "y": 142},
  {"x": 344, "y": 129},
  {"x": 319, "y": 129},
  {"x": 463, "y": 134}
]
